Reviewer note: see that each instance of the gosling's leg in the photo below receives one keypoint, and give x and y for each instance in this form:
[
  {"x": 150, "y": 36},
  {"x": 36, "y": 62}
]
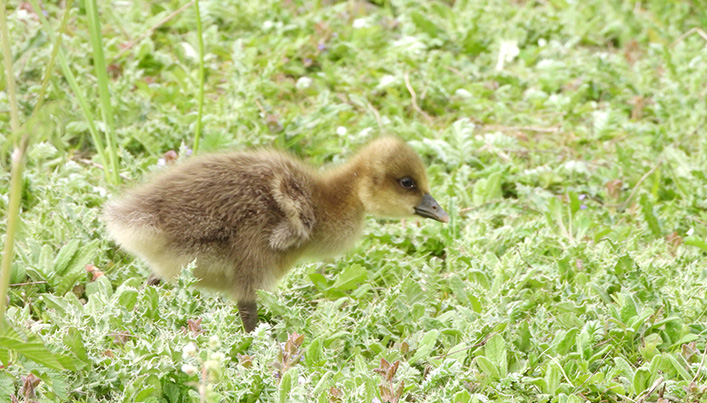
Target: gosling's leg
[{"x": 249, "y": 314}]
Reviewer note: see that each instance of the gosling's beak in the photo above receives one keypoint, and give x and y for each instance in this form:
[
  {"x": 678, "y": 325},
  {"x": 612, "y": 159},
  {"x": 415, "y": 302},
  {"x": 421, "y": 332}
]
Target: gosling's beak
[{"x": 429, "y": 208}]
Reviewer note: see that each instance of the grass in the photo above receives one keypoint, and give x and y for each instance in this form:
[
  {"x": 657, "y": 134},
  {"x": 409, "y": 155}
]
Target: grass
[{"x": 573, "y": 169}]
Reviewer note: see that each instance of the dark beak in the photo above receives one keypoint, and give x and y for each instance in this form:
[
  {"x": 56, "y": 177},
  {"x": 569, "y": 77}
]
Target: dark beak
[{"x": 429, "y": 208}]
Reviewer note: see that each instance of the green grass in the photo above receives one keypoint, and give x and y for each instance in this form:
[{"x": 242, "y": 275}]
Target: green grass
[{"x": 573, "y": 268}]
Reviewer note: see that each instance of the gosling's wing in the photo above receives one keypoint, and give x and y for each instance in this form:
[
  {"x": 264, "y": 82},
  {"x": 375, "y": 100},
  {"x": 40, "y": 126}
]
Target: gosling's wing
[{"x": 293, "y": 194}]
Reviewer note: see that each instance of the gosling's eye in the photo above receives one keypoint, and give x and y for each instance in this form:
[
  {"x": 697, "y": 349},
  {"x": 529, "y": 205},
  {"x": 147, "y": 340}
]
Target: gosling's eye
[{"x": 407, "y": 183}]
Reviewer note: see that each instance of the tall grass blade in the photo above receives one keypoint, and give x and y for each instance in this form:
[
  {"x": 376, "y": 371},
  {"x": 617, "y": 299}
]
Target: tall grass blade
[
  {"x": 85, "y": 109},
  {"x": 13, "y": 210},
  {"x": 7, "y": 58},
  {"x": 99, "y": 64},
  {"x": 52, "y": 60},
  {"x": 200, "y": 39},
  {"x": 13, "y": 218}
]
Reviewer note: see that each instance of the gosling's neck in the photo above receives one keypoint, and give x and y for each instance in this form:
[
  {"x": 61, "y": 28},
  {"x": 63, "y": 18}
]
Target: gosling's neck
[{"x": 340, "y": 189}]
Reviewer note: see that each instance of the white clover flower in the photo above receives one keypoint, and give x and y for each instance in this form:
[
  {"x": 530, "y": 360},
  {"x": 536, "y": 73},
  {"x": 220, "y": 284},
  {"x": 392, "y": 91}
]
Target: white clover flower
[
  {"x": 189, "y": 369},
  {"x": 341, "y": 131},
  {"x": 386, "y": 80},
  {"x": 211, "y": 365},
  {"x": 509, "y": 50},
  {"x": 189, "y": 350},
  {"x": 365, "y": 132},
  {"x": 462, "y": 93},
  {"x": 303, "y": 83},
  {"x": 360, "y": 23}
]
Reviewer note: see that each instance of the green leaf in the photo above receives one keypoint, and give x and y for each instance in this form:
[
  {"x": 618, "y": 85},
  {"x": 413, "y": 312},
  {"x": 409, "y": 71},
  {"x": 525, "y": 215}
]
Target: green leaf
[
  {"x": 624, "y": 265},
  {"x": 66, "y": 253},
  {"x": 319, "y": 281},
  {"x": 147, "y": 389},
  {"x": 350, "y": 277},
  {"x": 426, "y": 346},
  {"x": 314, "y": 352},
  {"x": 641, "y": 380},
  {"x": 73, "y": 340},
  {"x": 495, "y": 350},
  {"x": 656, "y": 362},
  {"x": 152, "y": 302},
  {"x": 57, "y": 383},
  {"x": 7, "y": 386},
  {"x": 459, "y": 352},
  {"x": 286, "y": 384},
  {"x": 574, "y": 202},
  {"x": 323, "y": 383},
  {"x": 57, "y": 303},
  {"x": 83, "y": 256},
  {"x": 18, "y": 273},
  {"x": 171, "y": 392},
  {"x": 679, "y": 364},
  {"x": 649, "y": 349},
  {"x": 487, "y": 189},
  {"x": 629, "y": 308},
  {"x": 462, "y": 397},
  {"x": 566, "y": 340},
  {"x": 485, "y": 365},
  {"x": 127, "y": 297},
  {"x": 75, "y": 269},
  {"x": 458, "y": 287},
  {"x": 553, "y": 377},
  {"x": 649, "y": 216},
  {"x": 524, "y": 336},
  {"x": 695, "y": 241},
  {"x": 424, "y": 24},
  {"x": 33, "y": 350},
  {"x": 101, "y": 286}
]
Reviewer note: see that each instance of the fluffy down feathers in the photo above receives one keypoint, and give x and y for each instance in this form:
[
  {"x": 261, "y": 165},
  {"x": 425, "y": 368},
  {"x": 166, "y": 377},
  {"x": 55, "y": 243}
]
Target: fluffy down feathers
[{"x": 247, "y": 217}]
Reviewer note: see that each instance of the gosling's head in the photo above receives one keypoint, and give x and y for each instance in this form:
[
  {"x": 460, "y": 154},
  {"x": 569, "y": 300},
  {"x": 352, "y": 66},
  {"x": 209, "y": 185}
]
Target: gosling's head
[{"x": 393, "y": 181}]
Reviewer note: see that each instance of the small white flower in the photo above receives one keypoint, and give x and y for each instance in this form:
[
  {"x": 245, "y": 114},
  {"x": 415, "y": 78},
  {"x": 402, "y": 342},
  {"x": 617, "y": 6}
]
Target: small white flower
[
  {"x": 386, "y": 80},
  {"x": 690, "y": 232},
  {"x": 360, "y": 23},
  {"x": 303, "y": 83},
  {"x": 509, "y": 50},
  {"x": 189, "y": 350},
  {"x": 341, "y": 131},
  {"x": 189, "y": 369},
  {"x": 214, "y": 342},
  {"x": 211, "y": 365},
  {"x": 542, "y": 42},
  {"x": 189, "y": 51},
  {"x": 267, "y": 25},
  {"x": 365, "y": 132},
  {"x": 462, "y": 93},
  {"x": 218, "y": 356}
]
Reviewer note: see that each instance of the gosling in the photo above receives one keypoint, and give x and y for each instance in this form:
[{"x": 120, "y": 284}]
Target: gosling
[{"x": 247, "y": 217}]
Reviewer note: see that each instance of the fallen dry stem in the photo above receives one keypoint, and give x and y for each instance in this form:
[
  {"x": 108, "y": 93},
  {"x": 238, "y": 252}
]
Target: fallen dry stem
[
  {"x": 413, "y": 97},
  {"x": 638, "y": 184},
  {"x": 699, "y": 31}
]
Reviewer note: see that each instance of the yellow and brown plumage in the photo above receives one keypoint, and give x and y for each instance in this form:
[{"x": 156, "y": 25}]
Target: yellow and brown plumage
[{"x": 247, "y": 217}]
